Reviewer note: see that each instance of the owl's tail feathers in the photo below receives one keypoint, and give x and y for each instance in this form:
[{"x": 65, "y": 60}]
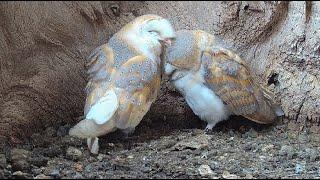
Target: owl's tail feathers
[
  {"x": 267, "y": 113},
  {"x": 85, "y": 129}
]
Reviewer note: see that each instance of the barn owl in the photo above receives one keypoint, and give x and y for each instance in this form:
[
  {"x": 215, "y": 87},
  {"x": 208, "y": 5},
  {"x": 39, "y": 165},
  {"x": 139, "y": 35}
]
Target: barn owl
[
  {"x": 215, "y": 81},
  {"x": 124, "y": 78}
]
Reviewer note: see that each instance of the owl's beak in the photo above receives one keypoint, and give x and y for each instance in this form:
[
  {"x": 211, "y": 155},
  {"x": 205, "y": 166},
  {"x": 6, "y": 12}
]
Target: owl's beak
[{"x": 166, "y": 42}]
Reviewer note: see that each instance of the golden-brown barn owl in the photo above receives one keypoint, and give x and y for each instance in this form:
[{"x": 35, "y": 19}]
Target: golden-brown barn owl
[
  {"x": 124, "y": 78},
  {"x": 215, "y": 81}
]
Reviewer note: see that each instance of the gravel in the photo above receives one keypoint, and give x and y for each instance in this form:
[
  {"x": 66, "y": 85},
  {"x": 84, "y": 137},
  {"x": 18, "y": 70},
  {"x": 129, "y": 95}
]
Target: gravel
[{"x": 250, "y": 152}]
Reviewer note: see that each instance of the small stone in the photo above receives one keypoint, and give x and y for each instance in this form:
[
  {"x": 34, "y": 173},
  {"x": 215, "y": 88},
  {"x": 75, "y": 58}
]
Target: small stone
[
  {"x": 3, "y": 161},
  {"x": 55, "y": 173},
  {"x": 100, "y": 157},
  {"x": 110, "y": 144},
  {"x": 42, "y": 176},
  {"x": 247, "y": 147},
  {"x": 251, "y": 133},
  {"x": 227, "y": 175},
  {"x": 18, "y": 154},
  {"x": 248, "y": 176},
  {"x": 78, "y": 167},
  {"x": 205, "y": 170},
  {"x": 130, "y": 157},
  {"x": 19, "y": 158},
  {"x": 74, "y": 153},
  {"x": 311, "y": 154},
  {"x": 299, "y": 168},
  {"x": 267, "y": 148},
  {"x": 213, "y": 165},
  {"x": 22, "y": 175},
  {"x": 287, "y": 151}
]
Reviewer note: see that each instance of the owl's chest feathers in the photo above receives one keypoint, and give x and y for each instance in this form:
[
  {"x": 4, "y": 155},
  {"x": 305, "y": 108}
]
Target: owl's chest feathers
[{"x": 202, "y": 100}]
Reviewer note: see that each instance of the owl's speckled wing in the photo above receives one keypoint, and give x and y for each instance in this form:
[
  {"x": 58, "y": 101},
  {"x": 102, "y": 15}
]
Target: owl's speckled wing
[
  {"x": 100, "y": 69},
  {"x": 136, "y": 83},
  {"x": 140, "y": 79},
  {"x": 229, "y": 77}
]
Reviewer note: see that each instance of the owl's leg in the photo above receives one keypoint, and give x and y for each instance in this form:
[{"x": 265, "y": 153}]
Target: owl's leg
[
  {"x": 93, "y": 145},
  {"x": 209, "y": 126}
]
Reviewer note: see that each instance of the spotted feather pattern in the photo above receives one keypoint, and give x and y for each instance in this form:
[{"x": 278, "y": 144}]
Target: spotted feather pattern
[
  {"x": 135, "y": 79},
  {"x": 229, "y": 77}
]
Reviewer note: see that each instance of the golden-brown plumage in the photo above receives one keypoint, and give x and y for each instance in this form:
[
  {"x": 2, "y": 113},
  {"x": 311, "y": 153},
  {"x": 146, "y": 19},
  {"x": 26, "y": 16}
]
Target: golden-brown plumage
[
  {"x": 124, "y": 78},
  {"x": 238, "y": 89},
  {"x": 197, "y": 64}
]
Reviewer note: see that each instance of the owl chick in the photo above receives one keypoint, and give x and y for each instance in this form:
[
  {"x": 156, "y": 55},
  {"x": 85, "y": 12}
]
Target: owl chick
[
  {"x": 215, "y": 81},
  {"x": 124, "y": 78}
]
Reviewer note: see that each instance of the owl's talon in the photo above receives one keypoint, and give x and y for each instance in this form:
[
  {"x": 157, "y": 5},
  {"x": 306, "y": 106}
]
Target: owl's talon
[{"x": 208, "y": 128}]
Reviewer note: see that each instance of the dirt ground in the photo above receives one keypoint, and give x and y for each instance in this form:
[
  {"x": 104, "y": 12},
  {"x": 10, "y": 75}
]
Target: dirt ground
[{"x": 235, "y": 148}]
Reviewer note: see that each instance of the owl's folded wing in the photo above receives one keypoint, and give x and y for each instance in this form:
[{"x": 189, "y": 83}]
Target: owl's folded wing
[
  {"x": 140, "y": 79},
  {"x": 101, "y": 102},
  {"x": 228, "y": 76}
]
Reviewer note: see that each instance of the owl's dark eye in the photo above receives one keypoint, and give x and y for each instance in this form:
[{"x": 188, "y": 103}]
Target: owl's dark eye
[{"x": 153, "y": 31}]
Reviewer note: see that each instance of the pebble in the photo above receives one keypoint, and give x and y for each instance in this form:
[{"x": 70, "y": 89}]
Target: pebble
[
  {"x": 55, "y": 173},
  {"x": 227, "y": 175},
  {"x": 36, "y": 171},
  {"x": 311, "y": 154},
  {"x": 130, "y": 157},
  {"x": 19, "y": 158},
  {"x": 42, "y": 176},
  {"x": 100, "y": 157},
  {"x": 247, "y": 147},
  {"x": 22, "y": 175},
  {"x": 251, "y": 133},
  {"x": 248, "y": 176},
  {"x": 267, "y": 148},
  {"x": 213, "y": 165},
  {"x": 73, "y": 154},
  {"x": 287, "y": 151},
  {"x": 299, "y": 168},
  {"x": 205, "y": 170},
  {"x": 78, "y": 167}
]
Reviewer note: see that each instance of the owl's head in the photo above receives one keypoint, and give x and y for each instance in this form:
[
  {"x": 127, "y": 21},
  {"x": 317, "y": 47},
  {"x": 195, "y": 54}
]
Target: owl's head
[
  {"x": 186, "y": 51},
  {"x": 151, "y": 32}
]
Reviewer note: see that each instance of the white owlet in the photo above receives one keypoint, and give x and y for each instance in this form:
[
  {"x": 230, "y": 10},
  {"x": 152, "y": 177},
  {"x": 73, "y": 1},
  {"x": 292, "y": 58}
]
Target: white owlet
[
  {"x": 124, "y": 78},
  {"x": 215, "y": 81}
]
